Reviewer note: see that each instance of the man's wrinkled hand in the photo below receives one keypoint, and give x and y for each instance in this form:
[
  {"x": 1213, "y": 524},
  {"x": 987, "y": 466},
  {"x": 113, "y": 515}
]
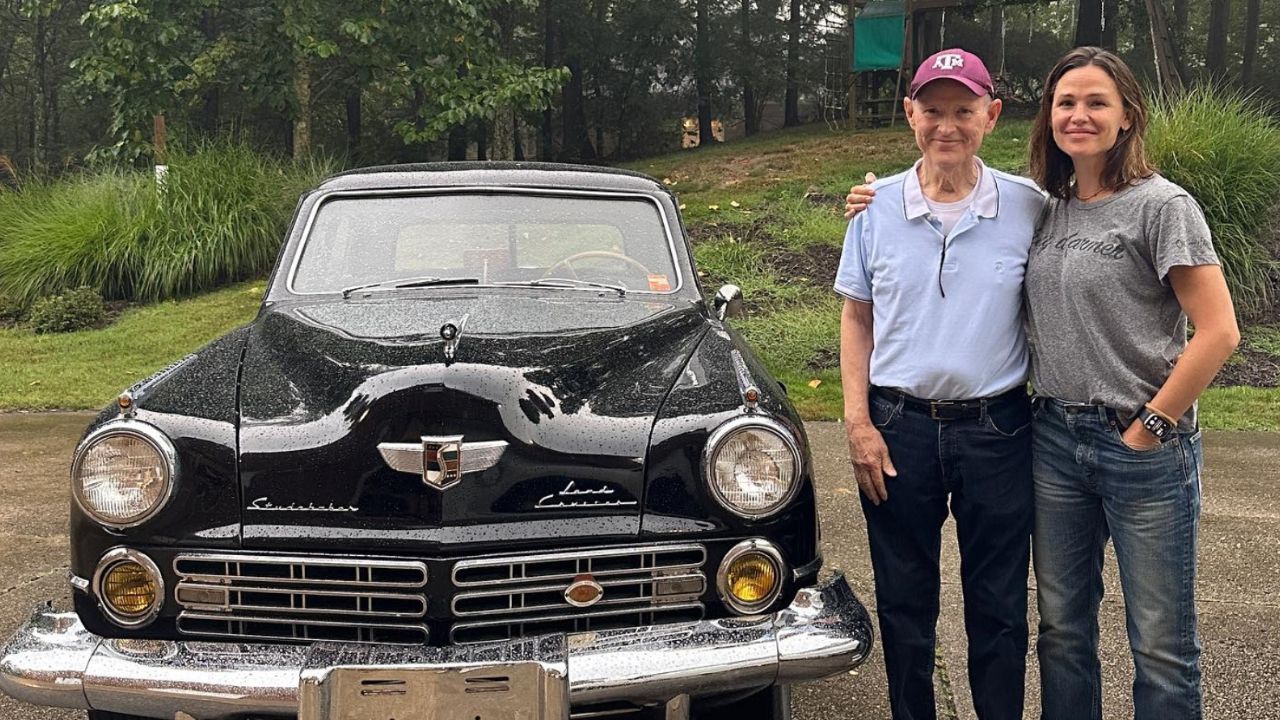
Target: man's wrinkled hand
[
  {"x": 859, "y": 197},
  {"x": 870, "y": 459}
]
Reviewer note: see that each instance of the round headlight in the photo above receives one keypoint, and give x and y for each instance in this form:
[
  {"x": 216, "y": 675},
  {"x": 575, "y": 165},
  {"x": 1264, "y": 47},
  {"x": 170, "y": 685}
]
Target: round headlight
[
  {"x": 752, "y": 465},
  {"x": 750, "y": 576},
  {"x": 123, "y": 473},
  {"x": 129, "y": 586}
]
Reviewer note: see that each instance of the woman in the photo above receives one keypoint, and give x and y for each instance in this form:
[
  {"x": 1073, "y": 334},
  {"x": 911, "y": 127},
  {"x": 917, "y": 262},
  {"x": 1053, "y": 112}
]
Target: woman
[{"x": 1122, "y": 259}]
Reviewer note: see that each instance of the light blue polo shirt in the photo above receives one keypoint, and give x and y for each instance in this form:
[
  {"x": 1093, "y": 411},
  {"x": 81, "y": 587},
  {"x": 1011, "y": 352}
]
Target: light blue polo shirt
[{"x": 953, "y": 329}]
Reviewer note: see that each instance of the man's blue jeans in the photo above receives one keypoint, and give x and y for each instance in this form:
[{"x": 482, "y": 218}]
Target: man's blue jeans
[
  {"x": 982, "y": 466},
  {"x": 1090, "y": 486}
]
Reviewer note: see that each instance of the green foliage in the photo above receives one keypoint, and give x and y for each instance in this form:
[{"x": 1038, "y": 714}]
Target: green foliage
[
  {"x": 219, "y": 217},
  {"x": 456, "y": 71},
  {"x": 12, "y": 310},
  {"x": 441, "y": 59},
  {"x": 1224, "y": 148},
  {"x": 138, "y": 52},
  {"x": 79, "y": 309}
]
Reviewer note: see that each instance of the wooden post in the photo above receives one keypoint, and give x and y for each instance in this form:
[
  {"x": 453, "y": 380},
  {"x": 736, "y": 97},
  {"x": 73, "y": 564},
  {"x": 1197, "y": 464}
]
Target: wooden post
[
  {"x": 161, "y": 168},
  {"x": 158, "y": 133}
]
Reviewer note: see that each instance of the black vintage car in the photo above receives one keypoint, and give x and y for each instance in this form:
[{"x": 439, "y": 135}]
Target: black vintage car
[{"x": 485, "y": 452}]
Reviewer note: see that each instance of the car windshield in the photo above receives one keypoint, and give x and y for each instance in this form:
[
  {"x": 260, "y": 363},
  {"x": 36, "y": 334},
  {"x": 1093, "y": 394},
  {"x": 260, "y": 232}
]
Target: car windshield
[{"x": 373, "y": 242}]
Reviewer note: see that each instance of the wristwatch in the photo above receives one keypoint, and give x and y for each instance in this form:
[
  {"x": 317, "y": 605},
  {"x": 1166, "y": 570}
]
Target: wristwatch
[{"x": 1159, "y": 427}]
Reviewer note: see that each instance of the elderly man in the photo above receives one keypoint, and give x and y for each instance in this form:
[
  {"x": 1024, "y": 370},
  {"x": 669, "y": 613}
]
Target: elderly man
[{"x": 933, "y": 360}]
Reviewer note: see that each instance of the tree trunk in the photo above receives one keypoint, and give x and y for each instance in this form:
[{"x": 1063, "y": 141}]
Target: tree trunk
[
  {"x": 482, "y": 140},
  {"x": 1178, "y": 27},
  {"x": 1219, "y": 27},
  {"x": 416, "y": 151},
  {"x": 354, "y": 118},
  {"x": 1088, "y": 22},
  {"x": 1251, "y": 14},
  {"x": 996, "y": 33},
  {"x": 210, "y": 99},
  {"x": 575, "y": 145},
  {"x": 39, "y": 89},
  {"x": 1171, "y": 80},
  {"x": 302, "y": 94},
  {"x": 852, "y": 78},
  {"x": 548, "y": 60},
  {"x": 504, "y": 134},
  {"x": 504, "y": 119},
  {"x": 1110, "y": 22},
  {"x": 459, "y": 138},
  {"x": 791, "y": 103},
  {"x": 702, "y": 74},
  {"x": 750, "y": 122},
  {"x": 458, "y": 142}
]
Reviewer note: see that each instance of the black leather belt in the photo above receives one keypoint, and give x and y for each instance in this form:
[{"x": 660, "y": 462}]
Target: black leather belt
[{"x": 952, "y": 409}]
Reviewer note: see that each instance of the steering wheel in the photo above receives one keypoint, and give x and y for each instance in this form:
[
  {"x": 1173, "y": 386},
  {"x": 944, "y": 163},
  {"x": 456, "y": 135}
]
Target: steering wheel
[{"x": 568, "y": 262}]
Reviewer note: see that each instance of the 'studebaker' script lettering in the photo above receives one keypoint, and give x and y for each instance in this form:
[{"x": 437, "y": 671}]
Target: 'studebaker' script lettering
[{"x": 265, "y": 504}]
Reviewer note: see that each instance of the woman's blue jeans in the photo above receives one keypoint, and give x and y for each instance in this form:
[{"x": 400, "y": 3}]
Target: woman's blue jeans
[{"x": 1090, "y": 486}]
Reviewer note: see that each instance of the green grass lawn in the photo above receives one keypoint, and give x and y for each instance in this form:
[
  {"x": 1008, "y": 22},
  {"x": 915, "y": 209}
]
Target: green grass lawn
[
  {"x": 86, "y": 369},
  {"x": 765, "y": 214}
]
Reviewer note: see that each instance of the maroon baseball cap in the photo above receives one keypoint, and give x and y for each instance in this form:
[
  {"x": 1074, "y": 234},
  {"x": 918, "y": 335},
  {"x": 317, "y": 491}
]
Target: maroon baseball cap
[{"x": 955, "y": 64}]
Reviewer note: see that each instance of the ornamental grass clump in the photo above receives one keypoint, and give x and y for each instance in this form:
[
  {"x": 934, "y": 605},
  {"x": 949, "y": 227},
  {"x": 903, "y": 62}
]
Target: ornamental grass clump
[
  {"x": 1224, "y": 148},
  {"x": 218, "y": 216},
  {"x": 60, "y": 235}
]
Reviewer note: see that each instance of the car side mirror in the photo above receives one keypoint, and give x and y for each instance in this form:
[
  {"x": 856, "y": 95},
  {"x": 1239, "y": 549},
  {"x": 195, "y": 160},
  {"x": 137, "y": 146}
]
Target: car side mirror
[{"x": 728, "y": 302}]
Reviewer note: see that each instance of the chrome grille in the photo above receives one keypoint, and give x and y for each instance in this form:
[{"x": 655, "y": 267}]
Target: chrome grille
[
  {"x": 514, "y": 596},
  {"x": 272, "y": 597}
]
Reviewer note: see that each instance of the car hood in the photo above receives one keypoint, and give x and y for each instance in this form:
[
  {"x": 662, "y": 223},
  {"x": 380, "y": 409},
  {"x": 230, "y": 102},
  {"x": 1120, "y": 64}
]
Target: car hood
[{"x": 563, "y": 391}]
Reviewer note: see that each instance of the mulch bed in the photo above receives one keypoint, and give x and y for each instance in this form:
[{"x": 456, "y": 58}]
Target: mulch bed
[{"x": 1259, "y": 369}]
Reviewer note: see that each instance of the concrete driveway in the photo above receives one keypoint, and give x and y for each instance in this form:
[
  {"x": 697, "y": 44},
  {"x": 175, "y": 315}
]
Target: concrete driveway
[{"x": 1239, "y": 583}]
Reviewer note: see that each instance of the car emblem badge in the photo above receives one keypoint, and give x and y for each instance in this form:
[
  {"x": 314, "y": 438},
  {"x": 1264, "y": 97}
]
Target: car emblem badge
[
  {"x": 442, "y": 460},
  {"x": 583, "y": 592}
]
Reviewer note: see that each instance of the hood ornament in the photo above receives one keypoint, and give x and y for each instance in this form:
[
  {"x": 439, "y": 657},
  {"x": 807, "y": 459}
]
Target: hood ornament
[
  {"x": 451, "y": 333},
  {"x": 442, "y": 460}
]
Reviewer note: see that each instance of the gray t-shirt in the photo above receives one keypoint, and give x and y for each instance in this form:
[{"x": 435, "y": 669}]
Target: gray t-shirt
[{"x": 1103, "y": 322}]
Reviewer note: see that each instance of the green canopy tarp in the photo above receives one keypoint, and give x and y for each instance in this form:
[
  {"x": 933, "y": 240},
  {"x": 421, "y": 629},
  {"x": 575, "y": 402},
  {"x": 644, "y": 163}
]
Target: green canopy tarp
[{"x": 878, "y": 35}]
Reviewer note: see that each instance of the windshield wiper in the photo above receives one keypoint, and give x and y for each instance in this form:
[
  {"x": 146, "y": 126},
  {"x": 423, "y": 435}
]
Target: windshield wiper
[
  {"x": 424, "y": 281},
  {"x": 566, "y": 282}
]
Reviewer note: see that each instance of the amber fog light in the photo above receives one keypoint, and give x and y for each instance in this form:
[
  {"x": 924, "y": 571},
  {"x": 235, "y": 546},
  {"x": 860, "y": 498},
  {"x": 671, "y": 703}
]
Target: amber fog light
[
  {"x": 129, "y": 587},
  {"x": 750, "y": 576}
]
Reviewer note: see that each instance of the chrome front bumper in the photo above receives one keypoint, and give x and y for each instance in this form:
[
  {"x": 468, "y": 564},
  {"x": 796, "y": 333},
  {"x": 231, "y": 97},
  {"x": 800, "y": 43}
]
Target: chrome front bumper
[{"x": 53, "y": 660}]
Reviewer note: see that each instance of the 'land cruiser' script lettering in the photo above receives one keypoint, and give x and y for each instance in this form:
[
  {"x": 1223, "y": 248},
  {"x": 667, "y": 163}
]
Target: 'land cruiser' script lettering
[
  {"x": 265, "y": 504},
  {"x": 573, "y": 497}
]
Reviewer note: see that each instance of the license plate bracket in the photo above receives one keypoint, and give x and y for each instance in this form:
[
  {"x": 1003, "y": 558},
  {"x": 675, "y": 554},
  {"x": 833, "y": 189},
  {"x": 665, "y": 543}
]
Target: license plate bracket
[{"x": 522, "y": 680}]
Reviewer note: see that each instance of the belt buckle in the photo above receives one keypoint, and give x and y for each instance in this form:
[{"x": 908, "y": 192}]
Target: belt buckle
[{"x": 934, "y": 405}]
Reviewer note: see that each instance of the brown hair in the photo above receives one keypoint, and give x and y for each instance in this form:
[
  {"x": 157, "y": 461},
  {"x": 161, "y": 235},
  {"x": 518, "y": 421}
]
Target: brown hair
[{"x": 1126, "y": 161}]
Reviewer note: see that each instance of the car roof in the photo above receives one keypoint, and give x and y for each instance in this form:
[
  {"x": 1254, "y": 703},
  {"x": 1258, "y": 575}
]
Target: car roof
[{"x": 501, "y": 174}]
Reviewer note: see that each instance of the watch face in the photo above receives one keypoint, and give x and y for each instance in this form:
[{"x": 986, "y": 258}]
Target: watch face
[{"x": 1156, "y": 425}]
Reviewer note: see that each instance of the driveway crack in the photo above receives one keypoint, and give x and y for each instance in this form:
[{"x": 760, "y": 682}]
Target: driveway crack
[
  {"x": 35, "y": 579},
  {"x": 948, "y": 709}
]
